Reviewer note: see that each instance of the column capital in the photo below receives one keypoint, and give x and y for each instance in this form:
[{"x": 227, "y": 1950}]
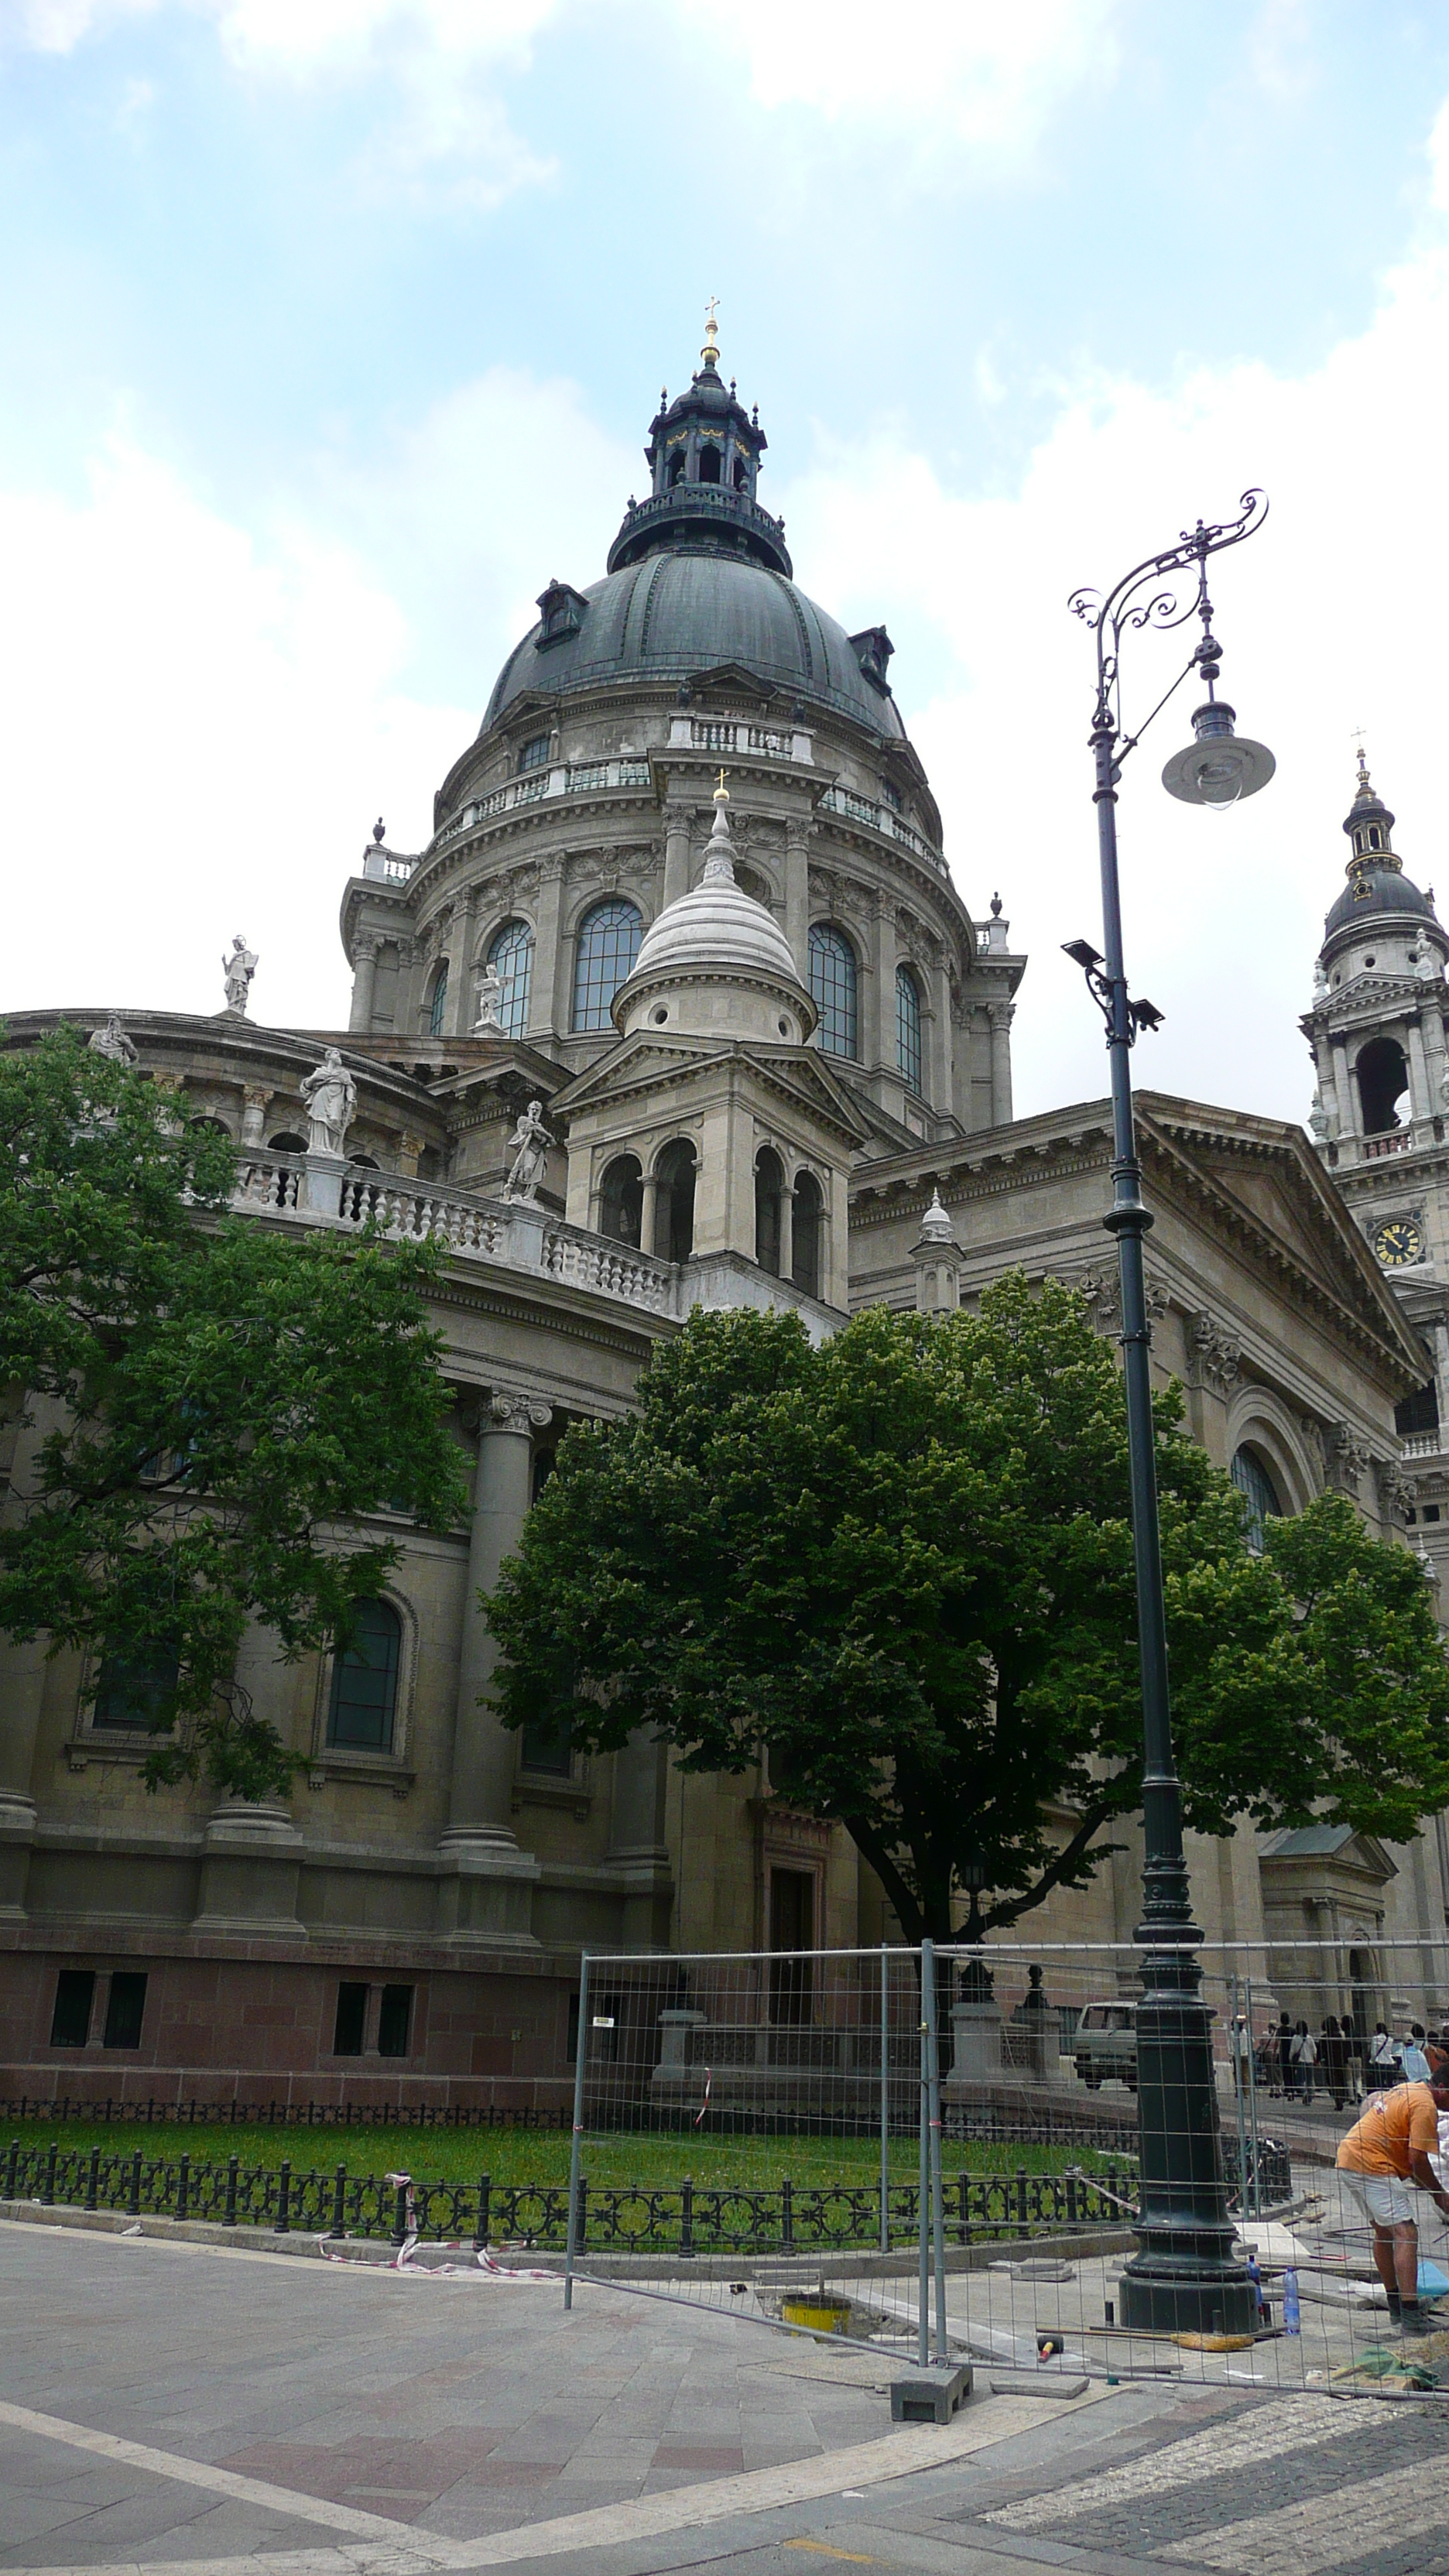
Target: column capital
[
  {"x": 366, "y": 944},
  {"x": 507, "y": 1410},
  {"x": 1001, "y": 1014},
  {"x": 799, "y": 830}
]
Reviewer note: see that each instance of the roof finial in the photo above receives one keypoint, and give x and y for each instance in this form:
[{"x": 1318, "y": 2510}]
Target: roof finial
[
  {"x": 719, "y": 861},
  {"x": 710, "y": 351},
  {"x": 1363, "y": 776}
]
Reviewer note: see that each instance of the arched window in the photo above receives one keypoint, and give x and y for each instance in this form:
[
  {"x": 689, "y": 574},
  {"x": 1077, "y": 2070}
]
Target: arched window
[
  {"x": 676, "y": 468},
  {"x": 439, "y": 1002},
  {"x": 510, "y": 952},
  {"x": 621, "y": 1199},
  {"x": 709, "y": 461},
  {"x": 808, "y": 1228},
  {"x": 674, "y": 1202},
  {"x": 1383, "y": 1079},
  {"x": 608, "y": 943},
  {"x": 135, "y": 1689},
  {"x": 741, "y": 474},
  {"x": 286, "y": 1141},
  {"x": 908, "y": 1028},
  {"x": 209, "y": 1126},
  {"x": 769, "y": 1189},
  {"x": 1259, "y": 1493},
  {"x": 832, "y": 988},
  {"x": 363, "y": 1704}
]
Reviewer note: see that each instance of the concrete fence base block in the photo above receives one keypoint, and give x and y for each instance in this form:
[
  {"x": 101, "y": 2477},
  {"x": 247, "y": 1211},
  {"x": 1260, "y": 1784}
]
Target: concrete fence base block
[{"x": 932, "y": 2395}]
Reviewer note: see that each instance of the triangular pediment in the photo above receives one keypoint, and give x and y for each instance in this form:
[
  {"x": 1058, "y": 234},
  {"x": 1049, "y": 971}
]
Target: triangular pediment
[
  {"x": 1263, "y": 1181},
  {"x": 643, "y": 1064}
]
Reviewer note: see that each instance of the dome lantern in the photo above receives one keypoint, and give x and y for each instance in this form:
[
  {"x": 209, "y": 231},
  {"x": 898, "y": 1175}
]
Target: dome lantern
[{"x": 704, "y": 457}]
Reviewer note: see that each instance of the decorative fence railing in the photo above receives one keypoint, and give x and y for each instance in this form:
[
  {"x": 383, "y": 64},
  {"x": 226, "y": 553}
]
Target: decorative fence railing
[
  {"x": 285, "y": 2115},
  {"x": 687, "y": 2218}
]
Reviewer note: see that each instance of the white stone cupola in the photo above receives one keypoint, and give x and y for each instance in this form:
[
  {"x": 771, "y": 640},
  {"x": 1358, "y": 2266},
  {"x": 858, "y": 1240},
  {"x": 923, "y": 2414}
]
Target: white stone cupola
[
  {"x": 1380, "y": 1114},
  {"x": 714, "y": 1134},
  {"x": 1376, "y": 1026}
]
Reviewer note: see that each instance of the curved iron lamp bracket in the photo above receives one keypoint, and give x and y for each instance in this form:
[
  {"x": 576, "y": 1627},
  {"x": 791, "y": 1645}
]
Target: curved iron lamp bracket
[{"x": 1136, "y": 602}]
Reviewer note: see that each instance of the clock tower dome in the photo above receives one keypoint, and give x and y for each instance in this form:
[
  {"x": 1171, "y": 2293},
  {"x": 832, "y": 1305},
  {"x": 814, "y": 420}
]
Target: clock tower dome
[{"x": 1380, "y": 1114}]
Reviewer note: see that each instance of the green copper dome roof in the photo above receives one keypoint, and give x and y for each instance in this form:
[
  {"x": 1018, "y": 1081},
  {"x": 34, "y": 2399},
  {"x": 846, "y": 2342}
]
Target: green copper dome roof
[{"x": 683, "y": 612}]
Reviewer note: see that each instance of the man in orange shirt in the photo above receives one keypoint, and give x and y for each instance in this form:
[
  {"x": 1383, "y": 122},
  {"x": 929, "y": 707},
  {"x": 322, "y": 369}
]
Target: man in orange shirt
[{"x": 1386, "y": 2151}]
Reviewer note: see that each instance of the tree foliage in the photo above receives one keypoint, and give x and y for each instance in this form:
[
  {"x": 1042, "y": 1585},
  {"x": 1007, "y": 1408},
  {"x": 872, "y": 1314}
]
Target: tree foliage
[
  {"x": 902, "y": 1563},
  {"x": 218, "y": 1400}
]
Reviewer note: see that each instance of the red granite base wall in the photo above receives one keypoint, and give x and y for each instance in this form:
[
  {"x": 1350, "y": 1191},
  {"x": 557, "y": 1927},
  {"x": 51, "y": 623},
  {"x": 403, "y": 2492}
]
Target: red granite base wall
[{"x": 254, "y": 2031}]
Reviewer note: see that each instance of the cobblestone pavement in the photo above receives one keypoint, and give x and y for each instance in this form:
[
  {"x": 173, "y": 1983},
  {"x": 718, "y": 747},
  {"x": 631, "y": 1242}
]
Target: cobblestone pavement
[{"x": 208, "y": 2413}]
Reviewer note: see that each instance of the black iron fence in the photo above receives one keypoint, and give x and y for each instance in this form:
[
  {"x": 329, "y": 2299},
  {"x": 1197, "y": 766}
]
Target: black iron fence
[
  {"x": 286, "y": 2115},
  {"x": 687, "y": 2218}
]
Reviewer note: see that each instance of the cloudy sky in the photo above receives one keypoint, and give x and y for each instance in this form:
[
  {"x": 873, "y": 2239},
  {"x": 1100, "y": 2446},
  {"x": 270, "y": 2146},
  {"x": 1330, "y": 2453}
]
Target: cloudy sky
[{"x": 332, "y": 329}]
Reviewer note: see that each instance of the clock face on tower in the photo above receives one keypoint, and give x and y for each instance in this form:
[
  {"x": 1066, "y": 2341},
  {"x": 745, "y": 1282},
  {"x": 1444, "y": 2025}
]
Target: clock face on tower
[{"x": 1398, "y": 1241}]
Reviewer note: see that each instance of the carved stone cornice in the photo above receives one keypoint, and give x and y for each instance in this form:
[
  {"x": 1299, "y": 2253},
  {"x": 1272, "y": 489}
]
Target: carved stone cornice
[
  {"x": 1345, "y": 1459},
  {"x": 1214, "y": 1359}
]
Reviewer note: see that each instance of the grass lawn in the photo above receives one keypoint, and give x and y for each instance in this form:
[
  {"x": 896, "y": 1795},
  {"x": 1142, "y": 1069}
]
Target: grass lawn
[{"x": 542, "y": 2156}]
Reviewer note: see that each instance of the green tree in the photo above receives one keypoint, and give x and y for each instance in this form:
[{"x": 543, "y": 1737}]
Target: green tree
[
  {"x": 219, "y": 1401},
  {"x": 903, "y": 1563}
]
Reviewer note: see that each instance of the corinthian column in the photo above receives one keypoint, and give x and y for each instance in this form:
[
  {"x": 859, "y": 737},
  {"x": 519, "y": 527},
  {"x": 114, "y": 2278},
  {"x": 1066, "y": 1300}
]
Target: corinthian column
[
  {"x": 1000, "y": 1015},
  {"x": 480, "y": 1806},
  {"x": 22, "y": 1690},
  {"x": 364, "y": 975},
  {"x": 677, "y": 820},
  {"x": 797, "y": 893}
]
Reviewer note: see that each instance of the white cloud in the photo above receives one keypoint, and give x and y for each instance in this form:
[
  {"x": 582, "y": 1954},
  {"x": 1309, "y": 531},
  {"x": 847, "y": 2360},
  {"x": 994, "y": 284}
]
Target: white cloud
[
  {"x": 201, "y": 730},
  {"x": 966, "y": 72},
  {"x": 1330, "y": 619},
  {"x": 202, "y": 723},
  {"x": 440, "y": 60}
]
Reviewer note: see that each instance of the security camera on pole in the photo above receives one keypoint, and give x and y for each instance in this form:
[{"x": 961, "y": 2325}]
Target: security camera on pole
[{"x": 1185, "y": 2278}]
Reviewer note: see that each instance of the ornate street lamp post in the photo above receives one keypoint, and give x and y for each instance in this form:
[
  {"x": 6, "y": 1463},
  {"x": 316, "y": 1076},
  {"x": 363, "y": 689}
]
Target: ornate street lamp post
[{"x": 1184, "y": 2278}]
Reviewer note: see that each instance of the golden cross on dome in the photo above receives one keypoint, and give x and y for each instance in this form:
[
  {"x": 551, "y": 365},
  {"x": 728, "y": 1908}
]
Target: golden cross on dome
[
  {"x": 710, "y": 351},
  {"x": 721, "y": 789},
  {"x": 1358, "y": 737}
]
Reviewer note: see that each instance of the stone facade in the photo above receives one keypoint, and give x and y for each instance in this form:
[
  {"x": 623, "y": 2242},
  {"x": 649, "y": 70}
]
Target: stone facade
[{"x": 695, "y": 866}]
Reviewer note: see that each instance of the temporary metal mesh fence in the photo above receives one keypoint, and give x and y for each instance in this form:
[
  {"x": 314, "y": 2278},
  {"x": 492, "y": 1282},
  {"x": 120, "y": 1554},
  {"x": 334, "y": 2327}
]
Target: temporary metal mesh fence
[{"x": 944, "y": 2151}]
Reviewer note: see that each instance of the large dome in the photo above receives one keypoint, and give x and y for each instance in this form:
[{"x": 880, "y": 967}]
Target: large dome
[
  {"x": 1372, "y": 892},
  {"x": 687, "y": 611}
]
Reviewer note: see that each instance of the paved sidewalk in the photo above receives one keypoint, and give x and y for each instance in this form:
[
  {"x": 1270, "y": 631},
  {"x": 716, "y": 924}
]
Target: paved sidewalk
[{"x": 208, "y": 2412}]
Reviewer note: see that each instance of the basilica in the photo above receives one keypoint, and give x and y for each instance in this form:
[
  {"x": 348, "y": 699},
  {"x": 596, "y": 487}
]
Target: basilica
[{"x": 681, "y": 1006}]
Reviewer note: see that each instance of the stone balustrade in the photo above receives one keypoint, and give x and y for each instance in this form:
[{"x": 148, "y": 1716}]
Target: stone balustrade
[{"x": 513, "y": 1233}]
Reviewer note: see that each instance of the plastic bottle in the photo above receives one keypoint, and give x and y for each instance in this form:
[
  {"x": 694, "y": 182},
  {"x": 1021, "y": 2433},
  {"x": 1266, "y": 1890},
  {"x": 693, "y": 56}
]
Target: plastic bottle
[{"x": 1292, "y": 2321}]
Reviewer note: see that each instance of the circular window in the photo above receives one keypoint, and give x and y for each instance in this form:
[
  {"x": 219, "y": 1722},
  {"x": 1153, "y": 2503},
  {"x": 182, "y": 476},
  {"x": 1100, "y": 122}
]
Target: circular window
[
  {"x": 785, "y": 1030},
  {"x": 1370, "y": 961},
  {"x": 659, "y": 1017}
]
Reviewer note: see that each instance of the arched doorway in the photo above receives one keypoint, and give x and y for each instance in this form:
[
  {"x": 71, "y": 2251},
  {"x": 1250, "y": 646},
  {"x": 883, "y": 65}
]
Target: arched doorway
[{"x": 1383, "y": 1078}]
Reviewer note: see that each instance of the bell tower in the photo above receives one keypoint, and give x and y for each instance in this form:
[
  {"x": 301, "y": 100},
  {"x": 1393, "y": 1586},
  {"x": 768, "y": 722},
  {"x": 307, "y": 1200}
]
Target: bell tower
[{"x": 1380, "y": 1114}]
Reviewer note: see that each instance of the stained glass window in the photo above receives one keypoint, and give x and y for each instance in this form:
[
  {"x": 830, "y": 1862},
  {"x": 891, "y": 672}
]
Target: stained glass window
[
  {"x": 608, "y": 944},
  {"x": 908, "y": 1028},
  {"x": 364, "y": 1681},
  {"x": 1258, "y": 1491},
  {"x": 511, "y": 952},
  {"x": 832, "y": 988}
]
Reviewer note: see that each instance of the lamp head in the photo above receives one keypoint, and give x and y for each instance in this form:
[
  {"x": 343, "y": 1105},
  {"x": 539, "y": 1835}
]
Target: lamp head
[
  {"x": 1082, "y": 953},
  {"x": 1218, "y": 766}
]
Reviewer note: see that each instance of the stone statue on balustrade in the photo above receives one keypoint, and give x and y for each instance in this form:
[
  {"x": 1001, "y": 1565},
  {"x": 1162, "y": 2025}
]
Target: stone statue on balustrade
[
  {"x": 330, "y": 1093},
  {"x": 111, "y": 1041},
  {"x": 239, "y": 968},
  {"x": 529, "y": 1149},
  {"x": 490, "y": 994}
]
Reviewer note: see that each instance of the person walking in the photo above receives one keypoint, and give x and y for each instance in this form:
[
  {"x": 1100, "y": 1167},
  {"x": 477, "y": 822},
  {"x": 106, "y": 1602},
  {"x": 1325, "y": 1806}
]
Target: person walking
[
  {"x": 1335, "y": 2062},
  {"x": 1382, "y": 2162},
  {"x": 1303, "y": 2057},
  {"x": 1383, "y": 2056},
  {"x": 1413, "y": 2064},
  {"x": 1285, "y": 2054}
]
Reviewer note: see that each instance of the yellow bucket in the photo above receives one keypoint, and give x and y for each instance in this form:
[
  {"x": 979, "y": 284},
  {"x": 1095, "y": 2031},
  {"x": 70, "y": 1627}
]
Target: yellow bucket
[{"x": 827, "y": 2316}]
